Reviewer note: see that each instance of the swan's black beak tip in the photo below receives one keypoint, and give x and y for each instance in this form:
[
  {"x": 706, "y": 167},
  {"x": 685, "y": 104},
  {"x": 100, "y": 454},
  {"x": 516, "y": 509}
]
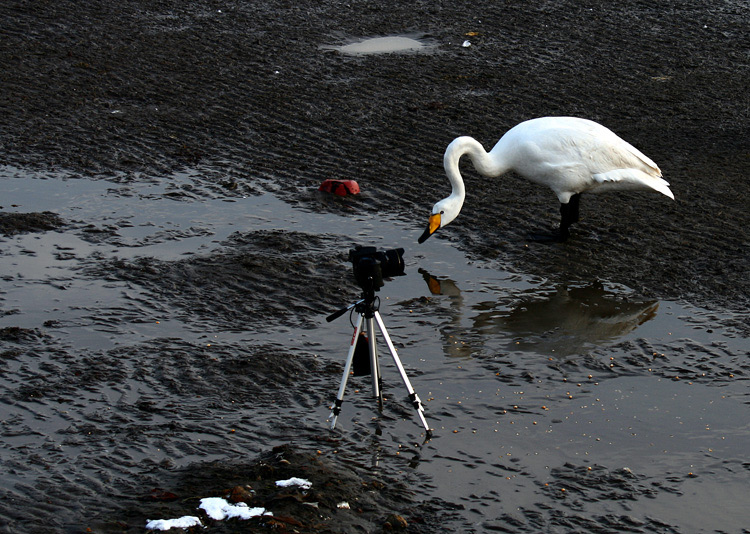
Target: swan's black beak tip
[
  {"x": 427, "y": 233},
  {"x": 432, "y": 226}
]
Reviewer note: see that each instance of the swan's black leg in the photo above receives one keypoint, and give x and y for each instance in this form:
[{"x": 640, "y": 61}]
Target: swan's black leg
[
  {"x": 569, "y": 215},
  {"x": 564, "y": 232},
  {"x": 574, "y": 203}
]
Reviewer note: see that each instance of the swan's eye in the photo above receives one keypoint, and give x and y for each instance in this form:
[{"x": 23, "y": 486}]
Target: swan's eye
[{"x": 442, "y": 212}]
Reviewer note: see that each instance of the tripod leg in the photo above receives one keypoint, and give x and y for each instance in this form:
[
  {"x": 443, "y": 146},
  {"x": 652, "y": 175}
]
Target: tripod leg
[
  {"x": 336, "y": 408},
  {"x": 374, "y": 366},
  {"x": 412, "y": 394}
]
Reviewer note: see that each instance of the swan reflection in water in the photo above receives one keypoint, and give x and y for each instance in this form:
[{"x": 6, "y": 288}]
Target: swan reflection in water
[{"x": 558, "y": 322}]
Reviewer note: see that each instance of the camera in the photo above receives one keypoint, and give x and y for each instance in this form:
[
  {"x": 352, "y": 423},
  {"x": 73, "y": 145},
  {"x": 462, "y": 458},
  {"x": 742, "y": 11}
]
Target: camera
[{"x": 371, "y": 266}]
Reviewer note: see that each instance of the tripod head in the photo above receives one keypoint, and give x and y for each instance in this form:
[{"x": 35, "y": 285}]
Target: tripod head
[{"x": 371, "y": 267}]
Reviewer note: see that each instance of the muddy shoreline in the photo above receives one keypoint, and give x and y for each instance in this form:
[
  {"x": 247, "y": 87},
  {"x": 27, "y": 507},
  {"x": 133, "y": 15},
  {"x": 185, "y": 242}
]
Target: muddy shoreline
[{"x": 245, "y": 99}]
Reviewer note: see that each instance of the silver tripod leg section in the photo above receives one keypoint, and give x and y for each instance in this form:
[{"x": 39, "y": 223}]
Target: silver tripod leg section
[
  {"x": 412, "y": 394},
  {"x": 336, "y": 408},
  {"x": 374, "y": 366}
]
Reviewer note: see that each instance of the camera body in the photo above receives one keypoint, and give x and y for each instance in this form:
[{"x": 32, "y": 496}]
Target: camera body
[{"x": 371, "y": 266}]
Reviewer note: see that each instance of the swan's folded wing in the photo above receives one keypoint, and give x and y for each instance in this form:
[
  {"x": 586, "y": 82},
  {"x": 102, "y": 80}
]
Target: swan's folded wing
[{"x": 621, "y": 179}]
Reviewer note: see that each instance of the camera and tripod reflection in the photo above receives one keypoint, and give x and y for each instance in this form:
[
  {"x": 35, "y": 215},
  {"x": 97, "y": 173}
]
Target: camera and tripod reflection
[{"x": 371, "y": 268}]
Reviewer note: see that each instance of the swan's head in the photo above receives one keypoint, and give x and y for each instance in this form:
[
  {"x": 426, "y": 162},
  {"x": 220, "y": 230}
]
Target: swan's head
[
  {"x": 443, "y": 214},
  {"x": 448, "y": 209}
]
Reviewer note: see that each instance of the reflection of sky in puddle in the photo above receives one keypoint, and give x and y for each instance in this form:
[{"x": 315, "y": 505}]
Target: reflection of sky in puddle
[{"x": 380, "y": 45}]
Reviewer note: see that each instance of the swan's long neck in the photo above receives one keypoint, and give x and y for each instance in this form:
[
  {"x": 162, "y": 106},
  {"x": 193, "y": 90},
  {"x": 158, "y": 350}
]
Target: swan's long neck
[
  {"x": 487, "y": 164},
  {"x": 450, "y": 161}
]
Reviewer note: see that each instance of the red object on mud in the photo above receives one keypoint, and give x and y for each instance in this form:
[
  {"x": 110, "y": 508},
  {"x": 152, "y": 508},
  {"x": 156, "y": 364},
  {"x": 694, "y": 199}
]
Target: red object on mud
[{"x": 340, "y": 187}]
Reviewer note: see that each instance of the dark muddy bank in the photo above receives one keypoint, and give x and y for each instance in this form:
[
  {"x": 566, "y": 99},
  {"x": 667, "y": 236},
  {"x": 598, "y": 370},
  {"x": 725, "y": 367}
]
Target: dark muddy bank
[{"x": 242, "y": 95}]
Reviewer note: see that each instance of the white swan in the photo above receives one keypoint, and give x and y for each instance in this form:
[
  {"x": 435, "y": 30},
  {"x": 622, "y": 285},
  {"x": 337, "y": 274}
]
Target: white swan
[{"x": 568, "y": 154}]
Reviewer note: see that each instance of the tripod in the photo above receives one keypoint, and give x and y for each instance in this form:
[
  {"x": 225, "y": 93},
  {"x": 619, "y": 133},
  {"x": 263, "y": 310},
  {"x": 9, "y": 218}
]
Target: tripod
[{"x": 367, "y": 308}]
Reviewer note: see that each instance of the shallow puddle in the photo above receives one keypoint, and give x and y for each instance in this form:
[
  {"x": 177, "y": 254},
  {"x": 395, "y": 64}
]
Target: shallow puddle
[{"x": 381, "y": 45}]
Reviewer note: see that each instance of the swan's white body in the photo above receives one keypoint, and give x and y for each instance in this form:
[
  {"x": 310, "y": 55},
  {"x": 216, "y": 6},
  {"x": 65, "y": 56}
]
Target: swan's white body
[{"x": 567, "y": 154}]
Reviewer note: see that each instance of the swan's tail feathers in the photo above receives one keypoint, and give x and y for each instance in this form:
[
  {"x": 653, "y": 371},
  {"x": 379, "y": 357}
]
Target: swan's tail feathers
[
  {"x": 662, "y": 186},
  {"x": 624, "y": 179}
]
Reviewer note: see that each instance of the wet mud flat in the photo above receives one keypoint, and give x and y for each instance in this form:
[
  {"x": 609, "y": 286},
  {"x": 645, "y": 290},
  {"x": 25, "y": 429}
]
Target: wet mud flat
[
  {"x": 247, "y": 93},
  {"x": 162, "y": 335}
]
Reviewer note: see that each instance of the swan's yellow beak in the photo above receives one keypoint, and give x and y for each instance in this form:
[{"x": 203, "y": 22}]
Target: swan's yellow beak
[{"x": 433, "y": 225}]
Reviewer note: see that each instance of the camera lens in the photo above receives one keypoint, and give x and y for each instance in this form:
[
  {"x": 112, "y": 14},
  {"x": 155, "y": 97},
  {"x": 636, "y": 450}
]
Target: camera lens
[
  {"x": 371, "y": 265},
  {"x": 392, "y": 262}
]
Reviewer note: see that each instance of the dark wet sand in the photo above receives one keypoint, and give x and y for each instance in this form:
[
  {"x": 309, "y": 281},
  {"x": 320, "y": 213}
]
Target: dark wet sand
[{"x": 129, "y": 91}]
